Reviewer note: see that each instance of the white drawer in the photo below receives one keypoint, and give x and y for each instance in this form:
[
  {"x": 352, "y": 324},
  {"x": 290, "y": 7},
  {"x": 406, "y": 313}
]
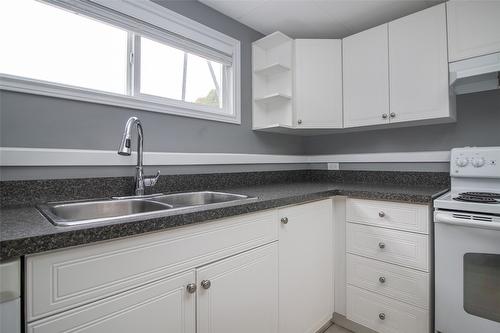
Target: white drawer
[
  {"x": 383, "y": 314},
  {"x": 64, "y": 279},
  {"x": 403, "y": 284},
  {"x": 397, "y": 247},
  {"x": 394, "y": 215}
]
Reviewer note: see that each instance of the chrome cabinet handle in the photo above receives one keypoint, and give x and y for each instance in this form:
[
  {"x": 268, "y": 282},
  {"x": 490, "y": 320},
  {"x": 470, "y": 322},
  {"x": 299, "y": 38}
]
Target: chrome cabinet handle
[
  {"x": 381, "y": 245},
  {"x": 206, "y": 284},
  {"x": 299, "y": 121},
  {"x": 381, "y": 279},
  {"x": 284, "y": 220},
  {"x": 393, "y": 115},
  {"x": 191, "y": 288},
  {"x": 381, "y": 316},
  {"x": 384, "y": 115},
  {"x": 381, "y": 214}
]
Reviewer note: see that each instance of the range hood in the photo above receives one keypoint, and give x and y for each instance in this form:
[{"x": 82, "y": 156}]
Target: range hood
[{"x": 475, "y": 74}]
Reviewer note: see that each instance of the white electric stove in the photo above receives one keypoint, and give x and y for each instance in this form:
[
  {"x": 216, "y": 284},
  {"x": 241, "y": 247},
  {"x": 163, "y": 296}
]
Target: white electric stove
[{"x": 467, "y": 244}]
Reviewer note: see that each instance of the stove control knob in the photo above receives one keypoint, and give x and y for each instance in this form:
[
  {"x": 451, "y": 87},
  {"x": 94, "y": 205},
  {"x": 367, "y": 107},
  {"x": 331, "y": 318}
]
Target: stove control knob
[
  {"x": 477, "y": 162},
  {"x": 462, "y": 161}
]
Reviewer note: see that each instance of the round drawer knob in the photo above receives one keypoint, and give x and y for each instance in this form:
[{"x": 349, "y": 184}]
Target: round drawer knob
[
  {"x": 381, "y": 245},
  {"x": 381, "y": 214},
  {"x": 284, "y": 220},
  {"x": 393, "y": 115},
  {"x": 381, "y": 316},
  {"x": 384, "y": 115},
  {"x": 206, "y": 284},
  {"x": 381, "y": 279},
  {"x": 191, "y": 288},
  {"x": 299, "y": 121}
]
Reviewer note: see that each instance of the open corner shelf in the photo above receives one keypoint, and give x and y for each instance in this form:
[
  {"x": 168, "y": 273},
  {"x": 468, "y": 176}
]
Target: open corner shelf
[
  {"x": 272, "y": 69},
  {"x": 273, "y": 98},
  {"x": 272, "y": 40}
]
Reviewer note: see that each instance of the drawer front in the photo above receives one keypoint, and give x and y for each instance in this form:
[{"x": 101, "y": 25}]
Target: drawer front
[
  {"x": 162, "y": 306},
  {"x": 383, "y": 314},
  {"x": 394, "y": 215},
  {"x": 57, "y": 281},
  {"x": 401, "y": 283},
  {"x": 392, "y": 246}
]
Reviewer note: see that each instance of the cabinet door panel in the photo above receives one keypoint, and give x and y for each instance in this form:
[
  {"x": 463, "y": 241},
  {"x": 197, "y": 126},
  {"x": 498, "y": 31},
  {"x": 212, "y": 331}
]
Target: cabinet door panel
[
  {"x": 366, "y": 77},
  {"x": 306, "y": 267},
  {"x": 243, "y": 293},
  {"x": 318, "y": 83},
  {"x": 418, "y": 66},
  {"x": 473, "y": 28},
  {"x": 163, "y": 306}
]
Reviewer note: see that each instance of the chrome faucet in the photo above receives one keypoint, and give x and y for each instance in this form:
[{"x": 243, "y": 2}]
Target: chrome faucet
[{"x": 141, "y": 181}]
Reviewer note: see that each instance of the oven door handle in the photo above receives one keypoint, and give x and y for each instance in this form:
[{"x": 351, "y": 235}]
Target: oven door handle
[{"x": 447, "y": 218}]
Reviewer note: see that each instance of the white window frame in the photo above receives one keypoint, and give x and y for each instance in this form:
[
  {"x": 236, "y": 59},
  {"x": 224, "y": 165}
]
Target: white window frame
[{"x": 182, "y": 32}]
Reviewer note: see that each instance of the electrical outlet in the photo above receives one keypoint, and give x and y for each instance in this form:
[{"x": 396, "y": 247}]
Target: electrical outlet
[{"x": 333, "y": 166}]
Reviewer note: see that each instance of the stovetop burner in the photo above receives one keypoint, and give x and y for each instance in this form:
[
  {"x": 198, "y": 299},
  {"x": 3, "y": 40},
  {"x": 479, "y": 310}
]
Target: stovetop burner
[
  {"x": 482, "y": 194},
  {"x": 480, "y": 197}
]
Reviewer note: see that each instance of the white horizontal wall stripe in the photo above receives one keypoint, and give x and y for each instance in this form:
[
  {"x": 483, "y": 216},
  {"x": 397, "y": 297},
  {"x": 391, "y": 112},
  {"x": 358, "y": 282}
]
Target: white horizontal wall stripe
[{"x": 13, "y": 156}]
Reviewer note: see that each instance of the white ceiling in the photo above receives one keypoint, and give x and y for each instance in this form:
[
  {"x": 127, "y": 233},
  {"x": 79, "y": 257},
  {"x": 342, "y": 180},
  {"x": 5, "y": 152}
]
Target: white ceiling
[{"x": 316, "y": 18}]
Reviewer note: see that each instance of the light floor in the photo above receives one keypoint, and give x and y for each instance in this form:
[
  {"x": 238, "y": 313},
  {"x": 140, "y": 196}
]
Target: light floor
[{"x": 336, "y": 329}]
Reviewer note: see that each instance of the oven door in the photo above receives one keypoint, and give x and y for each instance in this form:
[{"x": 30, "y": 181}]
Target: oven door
[{"x": 467, "y": 275}]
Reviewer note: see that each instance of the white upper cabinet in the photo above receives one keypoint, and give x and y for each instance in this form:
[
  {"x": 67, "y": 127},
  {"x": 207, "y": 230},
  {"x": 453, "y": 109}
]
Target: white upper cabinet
[
  {"x": 366, "y": 78},
  {"x": 296, "y": 83},
  {"x": 318, "y": 83},
  {"x": 473, "y": 28},
  {"x": 418, "y": 67}
]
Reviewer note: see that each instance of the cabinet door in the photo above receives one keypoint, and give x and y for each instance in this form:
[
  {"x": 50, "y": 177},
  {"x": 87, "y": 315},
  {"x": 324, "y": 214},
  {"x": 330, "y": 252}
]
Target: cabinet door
[
  {"x": 318, "y": 83},
  {"x": 418, "y": 66},
  {"x": 240, "y": 294},
  {"x": 473, "y": 28},
  {"x": 306, "y": 267},
  {"x": 366, "y": 77},
  {"x": 163, "y": 306}
]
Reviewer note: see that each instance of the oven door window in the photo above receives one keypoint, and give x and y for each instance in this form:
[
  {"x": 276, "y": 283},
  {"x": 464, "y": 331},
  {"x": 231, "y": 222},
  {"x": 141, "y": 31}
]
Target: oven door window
[{"x": 482, "y": 285}]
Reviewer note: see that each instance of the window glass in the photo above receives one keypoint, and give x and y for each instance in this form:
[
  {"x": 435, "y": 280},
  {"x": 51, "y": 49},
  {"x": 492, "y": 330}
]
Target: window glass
[
  {"x": 162, "y": 69},
  {"x": 203, "y": 82},
  {"x": 43, "y": 42}
]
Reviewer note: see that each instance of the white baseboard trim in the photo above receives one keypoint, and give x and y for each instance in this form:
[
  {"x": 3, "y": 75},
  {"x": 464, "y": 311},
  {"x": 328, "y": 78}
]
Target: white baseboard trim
[{"x": 14, "y": 156}]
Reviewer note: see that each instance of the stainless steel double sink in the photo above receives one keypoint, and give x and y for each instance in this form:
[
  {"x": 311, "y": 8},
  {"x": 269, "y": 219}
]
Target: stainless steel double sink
[{"x": 132, "y": 208}]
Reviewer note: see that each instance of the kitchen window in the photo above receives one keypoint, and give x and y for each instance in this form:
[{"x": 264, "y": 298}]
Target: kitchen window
[{"x": 127, "y": 53}]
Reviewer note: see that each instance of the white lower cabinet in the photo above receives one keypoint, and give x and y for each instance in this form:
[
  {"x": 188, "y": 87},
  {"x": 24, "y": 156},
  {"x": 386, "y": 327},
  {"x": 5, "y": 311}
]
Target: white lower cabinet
[
  {"x": 305, "y": 267},
  {"x": 242, "y": 274},
  {"x": 163, "y": 306},
  {"x": 239, "y": 294},
  {"x": 388, "y": 277}
]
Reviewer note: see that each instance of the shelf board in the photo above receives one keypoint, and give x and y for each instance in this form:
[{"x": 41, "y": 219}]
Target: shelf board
[
  {"x": 290, "y": 130},
  {"x": 272, "y": 69},
  {"x": 272, "y": 40},
  {"x": 272, "y": 98}
]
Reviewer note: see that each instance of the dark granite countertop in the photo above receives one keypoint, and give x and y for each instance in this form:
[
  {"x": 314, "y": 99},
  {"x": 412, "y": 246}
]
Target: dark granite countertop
[{"x": 25, "y": 231}]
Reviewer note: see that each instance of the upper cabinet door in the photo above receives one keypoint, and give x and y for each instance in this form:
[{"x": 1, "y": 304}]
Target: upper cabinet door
[
  {"x": 366, "y": 78},
  {"x": 239, "y": 294},
  {"x": 473, "y": 28},
  {"x": 318, "y": 83},
  {"x": 418, "y": 66}
]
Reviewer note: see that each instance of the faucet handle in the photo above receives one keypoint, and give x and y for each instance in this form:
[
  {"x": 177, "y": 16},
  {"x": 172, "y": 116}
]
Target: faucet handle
[{"x": 151, "y": 180}]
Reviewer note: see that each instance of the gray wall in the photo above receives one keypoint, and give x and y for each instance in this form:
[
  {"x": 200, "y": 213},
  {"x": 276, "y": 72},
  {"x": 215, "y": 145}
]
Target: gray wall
[
  {"x": 44, "y": 122},
  {"x": 478, "y": 124}
]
